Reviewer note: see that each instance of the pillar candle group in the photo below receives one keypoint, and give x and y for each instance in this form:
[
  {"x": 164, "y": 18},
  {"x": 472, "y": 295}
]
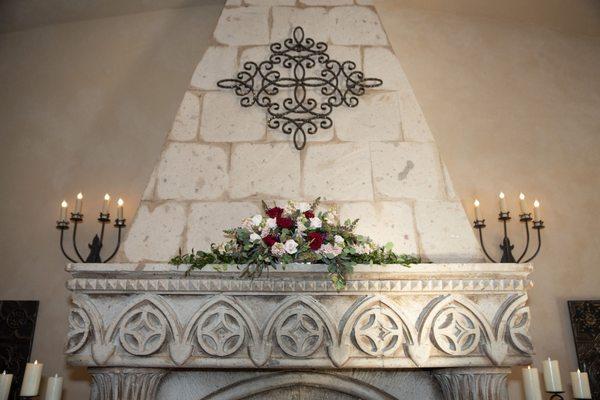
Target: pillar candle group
[
  {"x": 552, "y": 381},
  {"x": 31, "y": 383}
]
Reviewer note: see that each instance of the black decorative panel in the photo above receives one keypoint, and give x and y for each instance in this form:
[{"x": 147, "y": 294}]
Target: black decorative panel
[
  {"x": 585, "y": 320},
  {"x": 299, "y": 85},
  {"x": 17, "y": 327}
]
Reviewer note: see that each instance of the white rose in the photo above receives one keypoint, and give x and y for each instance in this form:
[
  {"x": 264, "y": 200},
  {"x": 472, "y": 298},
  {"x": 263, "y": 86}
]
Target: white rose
[
  {"x": 272, "y": 223},
  {"x": 303, "y": 207},
  {"x": 338, "y": 239},
  {"x": 254, "y": 237},
  {"x": 257, "y": 219},
  {"x": 278, "y": 249},
  {"x": 315, "y": 222},
  {"x": 291, "y": 246}
]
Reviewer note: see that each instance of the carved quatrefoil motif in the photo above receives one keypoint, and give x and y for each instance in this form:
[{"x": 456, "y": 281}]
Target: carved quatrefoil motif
[
  {"x": 378, "y": 332},
  {"x": 299, "y": 86},
  {"x": 143, "y": 331},
  {"x": 299, "y": 332},
  {"x": 456, "y": 332},
  {"x": 221, "y": 332}
]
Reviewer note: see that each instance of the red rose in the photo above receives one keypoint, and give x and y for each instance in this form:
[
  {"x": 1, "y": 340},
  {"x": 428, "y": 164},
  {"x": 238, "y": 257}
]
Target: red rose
[
  {"x": 284, "y": 222},
  {"x": 309, "y": 214},
  {"x": 316, "y": 240},
  {"x": 270, "y": 240},
  {"x": 274, "y": 212}
]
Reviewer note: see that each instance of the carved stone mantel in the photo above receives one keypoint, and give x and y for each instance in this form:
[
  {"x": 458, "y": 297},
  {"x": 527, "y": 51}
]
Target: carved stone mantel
[{"x": 389, "y": 317}]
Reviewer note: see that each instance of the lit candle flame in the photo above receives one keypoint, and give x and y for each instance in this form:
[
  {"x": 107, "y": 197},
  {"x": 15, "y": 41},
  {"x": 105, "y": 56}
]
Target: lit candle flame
[
  {"x": 79, "y": 196},
  {"x": 501, "y": 195},
  {"x": 120, "y": 202},
  {"x": 35, "y": 362},
  {"x": 522, "y": 196},
  {"x": 476, "y": 203},
  {"x": 63, "y": 204},
  {"x": 536, "y": 204},
  {"x": 106, "y": 197}
]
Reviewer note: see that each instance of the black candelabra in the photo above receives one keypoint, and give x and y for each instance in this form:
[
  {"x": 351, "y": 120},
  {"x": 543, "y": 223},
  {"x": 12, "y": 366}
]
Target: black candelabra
[
  {"x": 95, "y": 247},
  {"x": 506, "y": 246}
]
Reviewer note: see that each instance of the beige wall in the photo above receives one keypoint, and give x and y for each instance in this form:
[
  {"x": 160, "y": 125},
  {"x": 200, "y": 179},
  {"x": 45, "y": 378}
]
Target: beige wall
[
  {"x": 84, "y": 106},
  {"x": 512, "y": 103},
  {"x": 515, "y": 107}
]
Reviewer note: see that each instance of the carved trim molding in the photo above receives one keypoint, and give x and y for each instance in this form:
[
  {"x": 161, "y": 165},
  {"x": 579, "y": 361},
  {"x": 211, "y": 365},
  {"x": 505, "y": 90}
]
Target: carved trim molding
[{"x": 222, "y": 331}]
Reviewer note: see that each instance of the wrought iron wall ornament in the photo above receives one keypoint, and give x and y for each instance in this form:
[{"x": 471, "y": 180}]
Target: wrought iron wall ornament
[{"x": 299, "y": 85}]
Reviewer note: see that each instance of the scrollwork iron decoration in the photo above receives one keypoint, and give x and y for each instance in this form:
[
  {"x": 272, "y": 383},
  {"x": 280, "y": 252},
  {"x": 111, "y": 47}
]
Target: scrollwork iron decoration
[{"x": 299, "y": 86}]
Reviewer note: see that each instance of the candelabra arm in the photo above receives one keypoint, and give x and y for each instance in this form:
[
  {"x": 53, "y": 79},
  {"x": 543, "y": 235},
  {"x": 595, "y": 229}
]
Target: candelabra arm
[
  {"x": 117, "y": 246},
  {"x": 62, "y": 247},
  {"x": 539, "y": 246},
  {"x": 526, "y": 242},
  {"x": 75, "y": 241},
  {"x": 102, "y": 232},
  {"x": 480, "y": 229}
]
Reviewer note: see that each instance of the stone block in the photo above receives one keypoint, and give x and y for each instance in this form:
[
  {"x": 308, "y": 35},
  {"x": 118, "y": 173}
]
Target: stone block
[
  {"x": 192, "y": 171},
  {"x": 326, "y": 2},
  {"x": 155, "y": 234},
  {"x": 243, "y": 26},
  {"x": 384, "y": 222},
  {"x": 337, "y": 172},
  {"x": 233, "y": 3},
  {"x": 352, "y": 25},
  {"x": 376, "y": 118},
  {"x": 365, "y": 2},
  {"x": 445, "y": 232},
  {"x": 150, "y": 187},
  {"x": 207, "y": 221},
  {"x": 265, "y": 170},
  {"x": 346, "y": 53},
  {"x": 407, "y": 170},
  {"x": 225, "y": 120},
  {"x": 314, "y": 21},
  {"x": 271, "y": 2},
  {"x": 185, "y": 126},
  {"x": 382, "y": 63},
  {"x": 450, "y": 192},
  {"x": 218, "y": 62}
]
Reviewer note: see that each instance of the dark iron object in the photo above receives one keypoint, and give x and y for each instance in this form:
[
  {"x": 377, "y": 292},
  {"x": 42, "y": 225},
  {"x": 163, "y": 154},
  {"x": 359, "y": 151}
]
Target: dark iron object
[
  {"x": 506, "y": 246},
  {"x": 17, "y": 328},
  {"x": 317, "y": 84},
  {"x": 95, "y": 246},
  {"x": 585, "y": 322}
]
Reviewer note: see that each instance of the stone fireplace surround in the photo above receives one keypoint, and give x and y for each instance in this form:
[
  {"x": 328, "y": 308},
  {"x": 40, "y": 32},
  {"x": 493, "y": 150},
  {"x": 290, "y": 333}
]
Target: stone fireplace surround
[{"x": 148, "y": 331}]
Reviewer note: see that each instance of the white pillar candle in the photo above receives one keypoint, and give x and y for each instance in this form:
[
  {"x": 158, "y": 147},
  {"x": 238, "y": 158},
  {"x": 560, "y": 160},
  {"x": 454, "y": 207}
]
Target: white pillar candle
[
  {"x": 120, "y": 209},
  {"x": 54, "y": 388},
  {"x": 522, "y": 203},
  {"x": 31, "y": 379},
  {"x": 105, "y": 204},
  {"x": 537, "y": 215},
  {"x": 5, "y": 382},
  {"x": 78, "y": 202},
  {"x": 552, "y": 376},
  {"x": 477, "y": 215},
  {"x": 581, "y": 385},
  {"x": 502, "y": 202},
  {"x": 531, "y": 382},
  {"x": 63, "y": 210}
]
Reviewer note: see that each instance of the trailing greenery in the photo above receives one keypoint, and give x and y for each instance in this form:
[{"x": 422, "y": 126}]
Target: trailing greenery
[{"x": 295, "y": 234}]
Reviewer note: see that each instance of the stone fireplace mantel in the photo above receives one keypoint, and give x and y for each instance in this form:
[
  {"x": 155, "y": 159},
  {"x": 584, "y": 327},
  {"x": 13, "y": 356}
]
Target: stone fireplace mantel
[{"x": 133, "y": 323}]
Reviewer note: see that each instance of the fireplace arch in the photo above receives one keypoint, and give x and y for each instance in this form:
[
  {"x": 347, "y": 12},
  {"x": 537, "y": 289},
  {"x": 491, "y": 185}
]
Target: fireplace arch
[{"x": 343, "y": 385}]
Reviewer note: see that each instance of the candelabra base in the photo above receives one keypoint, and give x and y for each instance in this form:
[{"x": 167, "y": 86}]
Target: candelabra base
[{"x": 556, "y": 395}]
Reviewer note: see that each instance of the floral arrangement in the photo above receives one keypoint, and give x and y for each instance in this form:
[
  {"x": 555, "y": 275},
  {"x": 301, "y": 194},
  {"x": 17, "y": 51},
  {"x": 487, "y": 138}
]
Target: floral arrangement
[{"x": 296, "y": 233}]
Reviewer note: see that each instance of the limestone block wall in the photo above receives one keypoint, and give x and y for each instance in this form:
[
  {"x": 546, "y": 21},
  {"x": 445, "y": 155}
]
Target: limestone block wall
[{"x": 378, "y": 162}]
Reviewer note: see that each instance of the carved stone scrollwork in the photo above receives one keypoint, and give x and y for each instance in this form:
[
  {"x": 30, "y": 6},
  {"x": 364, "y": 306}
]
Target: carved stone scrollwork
[
  {"x": 473, "y": 383},
  {"x": 299, "y": 332},
  {"x": 125, "y": 383},
  {"x": 378, "y": 332},
  {"x": 79, "y": 330},
  {"x": 143, "y": 330},
  {"x": 518, "y": 330},
  {"x": 455, "y": 331},
  {"x": 220, "y": 332}
]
